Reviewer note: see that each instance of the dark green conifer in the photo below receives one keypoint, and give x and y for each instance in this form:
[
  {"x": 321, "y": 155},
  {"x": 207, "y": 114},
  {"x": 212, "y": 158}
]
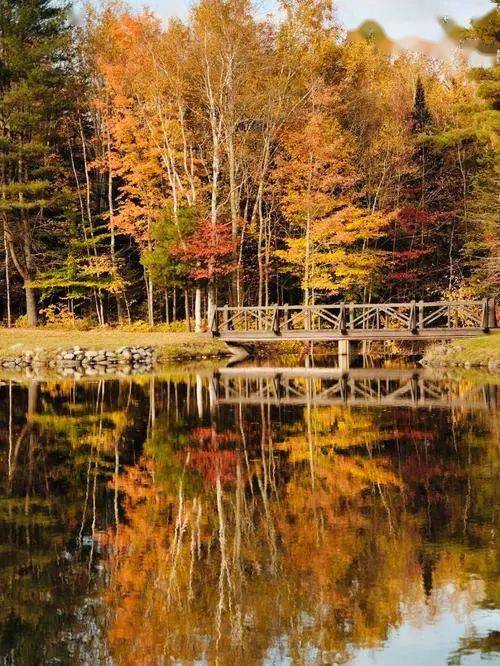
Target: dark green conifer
[
  {"x": 34, "y": 37},
  {"x": 421, "y": 115}
]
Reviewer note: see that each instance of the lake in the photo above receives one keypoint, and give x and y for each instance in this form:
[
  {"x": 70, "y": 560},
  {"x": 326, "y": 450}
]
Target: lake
[{"x": 251, "y": 516}]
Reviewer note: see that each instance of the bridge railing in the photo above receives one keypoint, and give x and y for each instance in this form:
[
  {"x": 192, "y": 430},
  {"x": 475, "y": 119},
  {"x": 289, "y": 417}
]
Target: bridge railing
[{"x": 345, "y": 317}]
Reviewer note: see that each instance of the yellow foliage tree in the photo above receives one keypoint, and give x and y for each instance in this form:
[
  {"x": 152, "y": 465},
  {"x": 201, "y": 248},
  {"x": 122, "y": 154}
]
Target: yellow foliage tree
[{"x": 328, "y": 245}]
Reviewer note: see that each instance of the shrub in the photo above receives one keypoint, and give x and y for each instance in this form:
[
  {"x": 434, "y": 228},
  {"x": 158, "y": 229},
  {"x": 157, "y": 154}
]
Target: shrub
[
  {"x": 138, "y": 326},
  {"x": 21, "y": 322},
  {"x": 177, "y": 326},
  {"x": 60, "y": 317}
]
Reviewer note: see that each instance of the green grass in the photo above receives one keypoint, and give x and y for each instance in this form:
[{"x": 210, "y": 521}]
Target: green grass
[
  {"x": 478, "y": 351},
  {"x": 169, "y": 345}
]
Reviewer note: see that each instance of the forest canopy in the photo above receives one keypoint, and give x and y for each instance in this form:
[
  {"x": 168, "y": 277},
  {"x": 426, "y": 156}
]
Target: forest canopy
[{"x": 151, "y": 169}]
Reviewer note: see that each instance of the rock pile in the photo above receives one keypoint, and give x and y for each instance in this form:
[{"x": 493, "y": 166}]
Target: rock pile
[{"x": 85, "y": 361}]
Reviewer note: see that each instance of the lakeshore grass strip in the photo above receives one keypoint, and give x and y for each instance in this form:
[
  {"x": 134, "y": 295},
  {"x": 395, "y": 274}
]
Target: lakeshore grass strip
[
  {"x": 471, "y": 352},
  {"x": 15, "y": 342}
]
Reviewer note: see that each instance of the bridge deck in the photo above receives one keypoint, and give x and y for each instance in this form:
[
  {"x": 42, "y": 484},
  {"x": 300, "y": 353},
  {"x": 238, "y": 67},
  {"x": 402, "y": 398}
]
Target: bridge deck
[{"x": 335, "y": 335}]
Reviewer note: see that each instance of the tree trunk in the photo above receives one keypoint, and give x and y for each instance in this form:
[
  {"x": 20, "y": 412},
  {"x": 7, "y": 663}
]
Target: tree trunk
[
  {"x": 7, "y": 280},
  {"x": 197, "y": 310},
  {"x": 260, "y": 298},
  {"x": 129, "y": 318},
  {"x": 186, "y": 310},
  {"x": 211, "y": 304},
  {"x": 31, "y": 310},
  {"x": 149, "y": 296},
  {"x": 112, "y": 239},
  {"x": 307, "y": 262},
  {"x": 167, "y": 313}
]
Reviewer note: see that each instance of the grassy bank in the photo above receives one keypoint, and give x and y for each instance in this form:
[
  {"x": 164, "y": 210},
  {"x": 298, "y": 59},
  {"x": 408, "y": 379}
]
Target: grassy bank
[
  {"x": 473, "y": 352},
  {"x": 169, "y": 346}
]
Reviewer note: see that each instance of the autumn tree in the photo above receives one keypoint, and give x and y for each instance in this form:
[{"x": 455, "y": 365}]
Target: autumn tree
[
  {"x": 104, "y": 150},
  {"x": 330, "y": 232}
]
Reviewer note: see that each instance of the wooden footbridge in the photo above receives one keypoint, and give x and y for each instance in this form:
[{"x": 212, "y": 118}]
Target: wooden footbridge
[
  {"x": 322, "y": 387},
  {"x": 354, "y": 321}
]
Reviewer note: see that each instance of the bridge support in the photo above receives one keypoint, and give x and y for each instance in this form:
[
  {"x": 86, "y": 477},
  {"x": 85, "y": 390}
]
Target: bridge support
[
  {"x": 344, "y": 352},
  {"x": 238, "y": 352}
]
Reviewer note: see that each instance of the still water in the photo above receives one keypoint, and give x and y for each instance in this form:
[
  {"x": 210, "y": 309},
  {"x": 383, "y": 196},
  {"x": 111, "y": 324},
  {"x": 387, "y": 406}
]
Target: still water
[{"x": 250, "y": 518}]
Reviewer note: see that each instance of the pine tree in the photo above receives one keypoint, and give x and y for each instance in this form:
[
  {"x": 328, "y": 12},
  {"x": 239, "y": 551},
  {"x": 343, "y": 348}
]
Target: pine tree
[
  {"x": 483, "y": 246},
  {"x": 33, "y": 45},
  {"x": 421, "y": 115}
]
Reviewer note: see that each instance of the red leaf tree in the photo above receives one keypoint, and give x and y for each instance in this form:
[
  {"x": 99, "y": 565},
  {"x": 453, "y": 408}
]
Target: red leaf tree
[{"x": 209, "y": 251}]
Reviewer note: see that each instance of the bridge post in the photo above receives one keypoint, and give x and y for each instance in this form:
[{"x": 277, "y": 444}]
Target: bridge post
[
  {"x": 489, "y": 314},
  {"x": 307, "y": 318},
  {"x": 226, "y": 321},
  {"x": 342, "y": 319},
  {"x": 413, "y": 317},
  {"x": 276, "y": 321},
  {"x": 484, "y": 316},
  {"x": 492, "y": 313},
  {"x": 420, "y": 315},
  {"x": 285, "y": 317}
]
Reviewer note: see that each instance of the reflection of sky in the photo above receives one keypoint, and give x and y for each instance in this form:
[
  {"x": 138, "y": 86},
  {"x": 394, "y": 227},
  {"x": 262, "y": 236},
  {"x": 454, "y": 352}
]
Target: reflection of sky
[
  {"x": 400, "y": 18},
  {"x": 434, "y": 642}
]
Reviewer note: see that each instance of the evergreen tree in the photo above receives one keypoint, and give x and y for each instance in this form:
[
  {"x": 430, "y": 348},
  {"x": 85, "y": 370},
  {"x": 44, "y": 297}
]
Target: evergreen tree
[
  {"x": 483, "y": 247},
  {"x": 421, "y": 115},
  {"x": 34, "y": 35}
]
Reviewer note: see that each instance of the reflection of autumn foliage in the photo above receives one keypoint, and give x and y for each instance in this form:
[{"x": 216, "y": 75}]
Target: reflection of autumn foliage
[
  {"x": 317, "y": 536},
  {"x": 417, "y": 469},
  {"x": 329, "y": 544},
  {"x": 211, "y": 461},
  {"x": 246, "y": 555},
  {"x": 136, "y": 550},
  {"x": 244, "y": 539}
]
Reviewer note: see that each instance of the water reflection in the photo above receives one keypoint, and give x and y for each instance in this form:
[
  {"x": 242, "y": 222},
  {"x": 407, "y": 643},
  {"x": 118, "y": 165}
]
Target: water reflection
[{"x": 191, "y": 517}]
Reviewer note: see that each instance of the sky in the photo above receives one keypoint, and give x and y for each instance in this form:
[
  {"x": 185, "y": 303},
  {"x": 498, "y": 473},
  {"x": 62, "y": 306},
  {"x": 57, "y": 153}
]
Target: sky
[{"x": 399, "y": 18}]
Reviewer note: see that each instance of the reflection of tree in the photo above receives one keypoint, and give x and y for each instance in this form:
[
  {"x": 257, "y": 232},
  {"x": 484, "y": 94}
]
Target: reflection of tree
[
  {"x": 241, "y": 534},
  {"x": 301, "y": 539},
  {"x": 485, "y": 645},
  {"x": 55, "y": 454},
  {"x": 208, "y": 456},
  {"x": 241, "y": 556}
]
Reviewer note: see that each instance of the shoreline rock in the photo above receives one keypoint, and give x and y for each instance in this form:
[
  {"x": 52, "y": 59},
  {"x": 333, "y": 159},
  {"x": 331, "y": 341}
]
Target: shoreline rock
[
  {"x": 85, "y": 359},
  {"x": 78, "y": 361}
]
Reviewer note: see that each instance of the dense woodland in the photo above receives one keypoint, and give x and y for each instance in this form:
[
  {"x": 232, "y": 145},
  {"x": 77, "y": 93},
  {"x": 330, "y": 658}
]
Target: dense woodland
[{"x": 150, "y": 169}]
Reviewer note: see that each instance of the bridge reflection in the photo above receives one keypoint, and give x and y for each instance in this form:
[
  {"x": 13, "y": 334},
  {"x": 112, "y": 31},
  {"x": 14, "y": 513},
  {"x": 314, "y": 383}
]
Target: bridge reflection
[{"x": 327, "y": 386}]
